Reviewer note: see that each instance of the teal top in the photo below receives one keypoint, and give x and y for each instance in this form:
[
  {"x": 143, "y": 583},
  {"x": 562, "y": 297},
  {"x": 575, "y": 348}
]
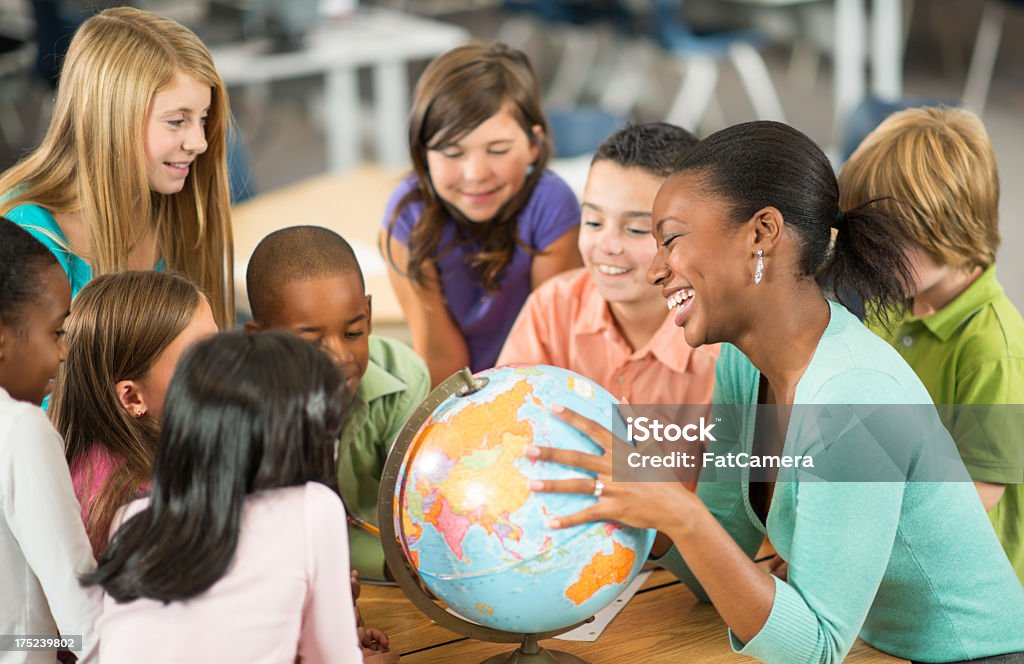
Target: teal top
[
  {"x": 41, "y": 224},
  {"x": 913, "y": 567},
  {"x": 395, "y": 383}
]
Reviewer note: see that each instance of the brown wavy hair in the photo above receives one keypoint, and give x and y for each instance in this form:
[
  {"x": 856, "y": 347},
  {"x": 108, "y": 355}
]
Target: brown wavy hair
[
  {"x": 119, "y": 325},
  {"x": 93, "y": 161},
  {"x": 458, "y": 92}
]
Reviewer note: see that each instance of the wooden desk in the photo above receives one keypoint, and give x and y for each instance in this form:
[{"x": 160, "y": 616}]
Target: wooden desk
[
  {"x": 351, "y": 204},
  {"x": 663, "y": 623}
]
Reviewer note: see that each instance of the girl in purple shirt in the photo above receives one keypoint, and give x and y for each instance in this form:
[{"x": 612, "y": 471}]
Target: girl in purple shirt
[{"x": 480, "y": 223}]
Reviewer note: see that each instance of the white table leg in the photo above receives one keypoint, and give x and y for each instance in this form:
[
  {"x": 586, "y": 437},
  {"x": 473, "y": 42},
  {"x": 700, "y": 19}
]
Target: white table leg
[
  {"x": 848, "y": 59},
  {"x": 391, "y": 107},
  {"x": 983, "y": 60},
  {"x": 886, "y": 49},
  {"x": 341, "y": 120}
]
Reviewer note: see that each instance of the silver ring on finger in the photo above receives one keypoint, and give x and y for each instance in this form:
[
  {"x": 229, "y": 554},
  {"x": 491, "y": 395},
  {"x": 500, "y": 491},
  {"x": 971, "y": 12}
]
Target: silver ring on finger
[{"x": 598, "y": 488}]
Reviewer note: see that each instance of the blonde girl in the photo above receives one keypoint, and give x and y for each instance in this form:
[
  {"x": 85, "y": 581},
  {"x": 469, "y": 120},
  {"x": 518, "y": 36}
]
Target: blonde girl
[
  {"x": 132, "y": 172},
  {"x": 481, "y": 222},
  {"x": 125, "y": 335}
]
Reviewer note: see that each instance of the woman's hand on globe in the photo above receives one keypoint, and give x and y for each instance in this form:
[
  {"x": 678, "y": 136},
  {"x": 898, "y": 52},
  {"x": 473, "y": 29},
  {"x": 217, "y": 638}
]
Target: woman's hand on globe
[{"x": 641, "y": 504}]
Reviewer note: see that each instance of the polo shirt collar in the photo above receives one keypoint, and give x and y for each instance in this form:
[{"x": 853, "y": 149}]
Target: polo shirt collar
[
  {"x": 594, "y": 315},
  {"x": 377, "y": 383},
  {"x": 946, "y": 321},
  {"x": 667, "y": 344}
]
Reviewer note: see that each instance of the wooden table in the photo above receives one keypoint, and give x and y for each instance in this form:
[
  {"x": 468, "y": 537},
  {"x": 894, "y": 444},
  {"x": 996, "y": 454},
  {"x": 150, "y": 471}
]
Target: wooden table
[
  {"x": 351, "y": 204},
  {"x": 662, "y": 623}
]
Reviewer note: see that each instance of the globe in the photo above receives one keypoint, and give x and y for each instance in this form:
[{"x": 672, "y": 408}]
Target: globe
[{"x": 472, "y": 529}]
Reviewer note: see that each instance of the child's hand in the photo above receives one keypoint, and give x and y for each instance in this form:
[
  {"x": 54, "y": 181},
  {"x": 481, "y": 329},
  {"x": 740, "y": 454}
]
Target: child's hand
[
  {"x": 371, "y": 638},
  {"x": 354, "y": 579}
]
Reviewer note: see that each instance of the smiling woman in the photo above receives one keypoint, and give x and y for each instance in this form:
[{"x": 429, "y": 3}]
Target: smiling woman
[
  {"x": 132, "y": 172},
  {"x": 913, "y": 567}
]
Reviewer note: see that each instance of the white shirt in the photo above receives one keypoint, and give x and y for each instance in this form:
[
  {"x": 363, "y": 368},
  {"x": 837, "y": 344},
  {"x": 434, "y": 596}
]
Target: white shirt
[{"x": 43, "y": 545}]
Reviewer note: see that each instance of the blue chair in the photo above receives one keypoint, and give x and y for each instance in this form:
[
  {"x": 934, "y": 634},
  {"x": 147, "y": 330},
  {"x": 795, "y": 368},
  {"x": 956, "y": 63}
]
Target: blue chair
[
  {"x": 699, "y": 52},
  {"x": 581, "y": 130},
  {"x": 574, "y": 26},
  {"x": 575, "y": 129}
]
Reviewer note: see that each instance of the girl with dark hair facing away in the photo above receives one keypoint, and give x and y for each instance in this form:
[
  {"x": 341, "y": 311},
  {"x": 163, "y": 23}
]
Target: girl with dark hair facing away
[
  {"x": 481, "y": 222},
  {"x": 240, "y": 554},
  {"x": 908, "y": 562},
  {"x": 43, "y": 546}
]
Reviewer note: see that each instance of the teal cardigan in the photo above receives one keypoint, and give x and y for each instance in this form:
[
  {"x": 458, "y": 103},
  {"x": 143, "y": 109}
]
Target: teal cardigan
[{"x": 914, "y": 567}]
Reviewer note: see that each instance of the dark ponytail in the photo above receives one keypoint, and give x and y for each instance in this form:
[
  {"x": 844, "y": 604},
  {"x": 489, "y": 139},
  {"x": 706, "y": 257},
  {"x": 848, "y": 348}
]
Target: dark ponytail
[
  {"x": 867, "y": 267},
  {"x": 757, "y": 164}
]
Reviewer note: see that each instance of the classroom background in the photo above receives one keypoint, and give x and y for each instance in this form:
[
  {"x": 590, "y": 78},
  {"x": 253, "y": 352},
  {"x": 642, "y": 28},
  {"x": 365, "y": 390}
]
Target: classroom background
[{"x": 320, "y": 88}]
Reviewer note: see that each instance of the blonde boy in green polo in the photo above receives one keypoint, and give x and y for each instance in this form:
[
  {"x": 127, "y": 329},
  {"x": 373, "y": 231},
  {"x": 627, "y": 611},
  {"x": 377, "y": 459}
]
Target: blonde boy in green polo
[{"x": 936, "y": 170}]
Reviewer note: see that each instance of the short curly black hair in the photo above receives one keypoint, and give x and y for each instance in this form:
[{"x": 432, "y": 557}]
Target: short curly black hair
[
  {"x": 22, "y": 259},
  {"x": 293, "y": 254}
]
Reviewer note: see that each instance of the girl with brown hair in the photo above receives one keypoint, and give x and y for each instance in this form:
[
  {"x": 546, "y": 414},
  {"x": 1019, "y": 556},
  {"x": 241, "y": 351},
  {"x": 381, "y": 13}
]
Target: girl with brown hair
[
  {"x": 132, "y": 173},
  {"x": 125, "y": 335},
  {"x": 481, "y": 222}
]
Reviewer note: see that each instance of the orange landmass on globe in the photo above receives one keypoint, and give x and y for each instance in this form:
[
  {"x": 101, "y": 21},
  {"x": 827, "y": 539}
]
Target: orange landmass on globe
[
  {"x": 604, "y": 569},
  {"x": 484, "y": 487}
]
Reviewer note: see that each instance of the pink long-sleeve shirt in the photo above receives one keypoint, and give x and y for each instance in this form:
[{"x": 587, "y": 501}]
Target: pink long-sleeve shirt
[{"x": 286, "y": 594}]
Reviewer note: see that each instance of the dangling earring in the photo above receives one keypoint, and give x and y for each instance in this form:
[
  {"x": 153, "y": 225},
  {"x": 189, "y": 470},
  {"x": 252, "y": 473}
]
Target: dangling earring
[
  {"x": 530, "y": 168},
  {"x": 759, "y": 268}
]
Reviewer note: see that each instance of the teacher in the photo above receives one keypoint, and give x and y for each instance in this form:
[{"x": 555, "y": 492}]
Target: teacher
[{"x": 745, "y": 238}]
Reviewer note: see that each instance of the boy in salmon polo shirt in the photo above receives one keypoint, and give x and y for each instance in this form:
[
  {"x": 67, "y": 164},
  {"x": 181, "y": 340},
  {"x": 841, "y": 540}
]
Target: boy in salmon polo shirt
[{"x": 604, "y": 320}]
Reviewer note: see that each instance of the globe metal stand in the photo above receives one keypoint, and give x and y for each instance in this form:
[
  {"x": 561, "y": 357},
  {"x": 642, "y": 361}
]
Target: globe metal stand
[{"x": 462, "y": 383}]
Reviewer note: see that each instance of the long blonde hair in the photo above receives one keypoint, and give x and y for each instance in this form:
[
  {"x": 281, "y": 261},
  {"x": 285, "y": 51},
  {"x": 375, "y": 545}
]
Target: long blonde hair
[
  {"x": 119, "y": 325},
  {"x": 93, "y": 160}
]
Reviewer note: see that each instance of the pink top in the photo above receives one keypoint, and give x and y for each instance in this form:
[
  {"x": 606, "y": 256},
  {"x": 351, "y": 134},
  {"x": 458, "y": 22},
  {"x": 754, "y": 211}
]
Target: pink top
[
  {"x": 566, "y": 323},
  {"x": 90, "y": 472},
  {"x": 286, "y": 594}
]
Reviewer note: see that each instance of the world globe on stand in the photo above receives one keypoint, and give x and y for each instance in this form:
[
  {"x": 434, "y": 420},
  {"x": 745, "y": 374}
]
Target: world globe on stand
[{"x": 473, "y": 531}]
